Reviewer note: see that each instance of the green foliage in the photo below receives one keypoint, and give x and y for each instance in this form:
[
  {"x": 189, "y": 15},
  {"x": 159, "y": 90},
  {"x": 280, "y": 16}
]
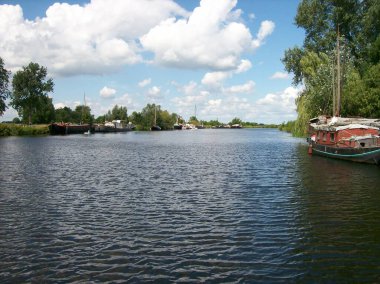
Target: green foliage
[
  {"x": 16, "y": 120},
  {"x": 314, "y": 64},
  {"x": 235, "y": 120},
  {"x": 23, "y": 130},
  {"x": 193, "y": 120},
  {"x": 4, "y": 92},
  {"x": 287, "y": 126},
  {"x": 82, "y": 115},
  {"x": 117, "y": 113},
  {"x": 144, "y": 120},
  {"x": 29, "y": 89},
  {"x": 46, "y": 113},
  {"x": 64, "y": 115}
]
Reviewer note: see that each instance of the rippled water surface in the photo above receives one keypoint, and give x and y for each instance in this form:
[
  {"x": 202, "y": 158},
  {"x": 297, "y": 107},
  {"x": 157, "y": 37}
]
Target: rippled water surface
[{"x": 186, "y": 206}]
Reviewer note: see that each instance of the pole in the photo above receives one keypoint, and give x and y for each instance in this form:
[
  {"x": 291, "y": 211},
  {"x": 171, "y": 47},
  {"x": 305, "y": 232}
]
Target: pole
[{"x": 338, "y": 76}]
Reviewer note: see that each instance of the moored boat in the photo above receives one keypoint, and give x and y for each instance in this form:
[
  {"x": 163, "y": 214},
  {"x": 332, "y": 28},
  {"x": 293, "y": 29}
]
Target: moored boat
[
  {"x": 114, "y": 126},
  {"x": 68, "y": 128},
  {"x": 350, "y": 139},
  {"x": 177, "y": 126},
  {"x": 155, "y": 127}
]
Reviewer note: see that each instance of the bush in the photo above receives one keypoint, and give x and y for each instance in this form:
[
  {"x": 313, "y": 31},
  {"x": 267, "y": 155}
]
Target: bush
[{"x": 23, "y": 130}]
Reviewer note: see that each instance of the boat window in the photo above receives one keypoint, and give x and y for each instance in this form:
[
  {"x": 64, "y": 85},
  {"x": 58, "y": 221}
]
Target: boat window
[
  {"x": 332, "y": 137},
  {"x": 362, "y": 144},
  {"x": 324, "y": 136}
]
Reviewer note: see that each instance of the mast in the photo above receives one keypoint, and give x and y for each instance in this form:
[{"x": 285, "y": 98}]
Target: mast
[
  {"x": 338, "y": 78},
  {"x": 333, "y": 86},
  {"x": 84, "y": 101},
  {"x": 155, "y": 118}
]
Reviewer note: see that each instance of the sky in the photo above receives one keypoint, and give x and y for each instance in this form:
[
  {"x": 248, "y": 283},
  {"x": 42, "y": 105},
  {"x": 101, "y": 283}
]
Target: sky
[{"x": 216, "y": 59}]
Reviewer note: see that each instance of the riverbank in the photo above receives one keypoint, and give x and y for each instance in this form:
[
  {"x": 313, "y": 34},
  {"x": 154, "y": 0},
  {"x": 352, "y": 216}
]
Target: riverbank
[{"x": 11, "y": 129}]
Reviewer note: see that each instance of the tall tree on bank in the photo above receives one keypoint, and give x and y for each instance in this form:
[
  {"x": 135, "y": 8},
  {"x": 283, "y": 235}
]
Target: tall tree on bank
[
  {"x": 4, "y": 91},
  {"x": 118, "y": 113},
  {"x": 313, "y": 64},
  {"x": 29, "y": 87}
]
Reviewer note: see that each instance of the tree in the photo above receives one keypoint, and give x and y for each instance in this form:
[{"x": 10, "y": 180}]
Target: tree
[
  {"x": 4, "y": 92},
  {"x": 118, "y": 113},
  {"x": 29, "y": 87},
  {"x": 144, "y": 120},
  {"x": 236, "y": 121},
  {"x": 46, "y": 113},
  {"x": 64, "y": 114},
  {"x": 82, "y": 114},
  {"x": 313, "y": 64},
  {"x": 193, "y": 120}
]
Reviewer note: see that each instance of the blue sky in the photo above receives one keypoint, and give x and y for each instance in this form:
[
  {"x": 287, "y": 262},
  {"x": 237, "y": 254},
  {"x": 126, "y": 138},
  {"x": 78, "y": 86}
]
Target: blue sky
[{"x": 224, "y": 56}]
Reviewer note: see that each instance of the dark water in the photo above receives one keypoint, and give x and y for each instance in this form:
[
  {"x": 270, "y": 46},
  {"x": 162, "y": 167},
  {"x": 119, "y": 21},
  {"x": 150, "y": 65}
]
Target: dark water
[{"x": 188, "y": 206}]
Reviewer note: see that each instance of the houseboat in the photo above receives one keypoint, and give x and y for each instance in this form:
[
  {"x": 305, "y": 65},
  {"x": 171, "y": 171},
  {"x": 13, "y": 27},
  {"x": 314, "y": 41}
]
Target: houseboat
[
  {"x": 352, "y": 139},
  {"x": 69, "y": 128}
]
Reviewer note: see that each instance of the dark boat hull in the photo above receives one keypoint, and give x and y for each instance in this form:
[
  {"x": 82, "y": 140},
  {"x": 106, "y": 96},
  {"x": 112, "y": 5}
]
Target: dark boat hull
[
  {"x": 62, "y": 129},
  {"x": 369, "y": 155},
  {"x": 155, "y": 128},
  {"x": 106, "y": 129}
]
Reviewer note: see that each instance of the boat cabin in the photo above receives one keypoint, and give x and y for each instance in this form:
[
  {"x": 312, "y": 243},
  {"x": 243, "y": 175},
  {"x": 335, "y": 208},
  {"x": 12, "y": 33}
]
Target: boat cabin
[{"x": 353, "y": 135}]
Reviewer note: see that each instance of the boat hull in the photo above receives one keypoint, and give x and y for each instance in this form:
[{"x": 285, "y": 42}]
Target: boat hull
[
  {"x": 63, "y": 129},
  {"x": 107, "y": 129},
  {"x": 370, "y": 155}
]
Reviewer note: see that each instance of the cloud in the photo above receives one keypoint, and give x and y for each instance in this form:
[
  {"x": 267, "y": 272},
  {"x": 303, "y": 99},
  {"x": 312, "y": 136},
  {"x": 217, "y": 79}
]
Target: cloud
[
  {"x": 214, "y": 79},
  {"x": 154, "y": 91},
  {"x": 244, "y": 66},
  {"x": 155, "y": 94},
  {"x": 280, "y": 75},
  {"x": 266, "y": 28},
  {"x": 196, "y": 42},
  {"x": 96, "y": 38},
  {"x": 100, "y": 38},
  {"x": 226, "y": 109},
  {"x": 239, "y": 89},
  {"x": 277, "y": 107},
  {"x": 145, "y": 82},
  {"x": 191, "y": 99},
  {"x": 107, "y": 93},
  {"x": 59, "y": 105},
  {"x": 188, "y": 89}
]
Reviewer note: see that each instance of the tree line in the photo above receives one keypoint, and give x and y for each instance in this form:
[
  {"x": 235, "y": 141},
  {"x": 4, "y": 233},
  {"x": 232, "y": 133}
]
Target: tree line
[
  {"x": 29, "y": 96},
  {"x": 355, "y": 24}
]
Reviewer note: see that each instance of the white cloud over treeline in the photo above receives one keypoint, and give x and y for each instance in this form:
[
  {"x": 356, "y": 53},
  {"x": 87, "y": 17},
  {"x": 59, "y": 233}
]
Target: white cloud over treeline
[{"x": 102, "y": 36}]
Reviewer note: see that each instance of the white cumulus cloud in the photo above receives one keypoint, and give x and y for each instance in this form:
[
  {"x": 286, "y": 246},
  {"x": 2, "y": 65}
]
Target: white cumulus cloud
[
  {"x": 145, "y": 82},
  {"x": 266, "y": 28},
  {"x": 280, "y": 75},
  {"x": 106, "y": 92},
  {"x": 214, "y": 79},
  {"x": 210, "y": 38},
  {"x": 278, "y": 107},
  {"x": 239, "y": 89},
  {"x": 244, "y": 66},
  {"x": 96, "y": 38}
]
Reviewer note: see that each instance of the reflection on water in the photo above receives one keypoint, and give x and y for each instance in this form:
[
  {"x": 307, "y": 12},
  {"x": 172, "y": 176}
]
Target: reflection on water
[
  {"x": 208, "y": 205},
  {"x": 340, "y": 209}
]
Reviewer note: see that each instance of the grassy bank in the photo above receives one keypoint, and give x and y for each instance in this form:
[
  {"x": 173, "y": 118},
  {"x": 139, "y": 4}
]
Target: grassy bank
[
  {"x": 296, "y": 128},
  {"x": 10, "y": 129}
]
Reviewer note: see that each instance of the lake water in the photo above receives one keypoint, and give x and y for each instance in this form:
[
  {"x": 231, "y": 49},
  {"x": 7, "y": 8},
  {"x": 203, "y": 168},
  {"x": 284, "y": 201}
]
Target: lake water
[{"x": 238, "y": 206}]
